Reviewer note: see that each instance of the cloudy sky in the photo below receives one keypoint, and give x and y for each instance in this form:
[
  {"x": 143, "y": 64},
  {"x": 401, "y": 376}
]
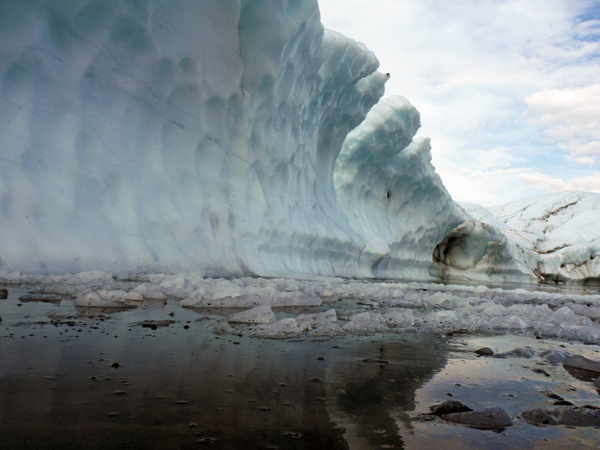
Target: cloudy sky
[{"x": 508, "y": 90}]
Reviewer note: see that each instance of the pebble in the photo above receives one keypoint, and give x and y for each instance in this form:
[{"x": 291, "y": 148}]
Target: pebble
[{"x": 449, "y": 407}]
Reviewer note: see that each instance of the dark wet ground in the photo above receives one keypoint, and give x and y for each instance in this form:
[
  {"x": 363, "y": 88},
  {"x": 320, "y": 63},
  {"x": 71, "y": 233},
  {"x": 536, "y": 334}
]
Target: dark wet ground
[{"x": 73, "y": 380}]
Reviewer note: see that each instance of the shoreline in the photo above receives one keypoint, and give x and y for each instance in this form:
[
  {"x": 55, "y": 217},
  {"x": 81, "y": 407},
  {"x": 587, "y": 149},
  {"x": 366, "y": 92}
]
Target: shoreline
[{"x": 174, "y": 386}]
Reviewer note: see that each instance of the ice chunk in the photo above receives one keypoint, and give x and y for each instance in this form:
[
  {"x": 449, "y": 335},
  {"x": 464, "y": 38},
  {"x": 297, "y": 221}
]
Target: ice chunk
[
  {"x": 260, "y": 314},
  {"x": 281, "y": 327},
  {"x": 89, "y": 299},
  {"x": 317, "y": 320}
]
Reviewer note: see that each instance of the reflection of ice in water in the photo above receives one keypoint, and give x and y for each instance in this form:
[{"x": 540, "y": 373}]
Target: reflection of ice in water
[
  {"x": 370, "y": 400},
  {"x": 178, "y": 386},
  {"x": 238, "y": 390}
]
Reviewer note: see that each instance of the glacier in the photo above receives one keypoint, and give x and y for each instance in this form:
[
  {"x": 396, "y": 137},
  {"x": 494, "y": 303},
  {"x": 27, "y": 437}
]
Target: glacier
[
  {"x": 238, "y": 138},
  {"x": 554, "y": 238},
  {"x": 162, "y": 136}
]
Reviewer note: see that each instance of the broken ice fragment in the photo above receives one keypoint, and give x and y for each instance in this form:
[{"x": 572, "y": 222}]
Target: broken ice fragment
[{"x": 260, "y": 314}]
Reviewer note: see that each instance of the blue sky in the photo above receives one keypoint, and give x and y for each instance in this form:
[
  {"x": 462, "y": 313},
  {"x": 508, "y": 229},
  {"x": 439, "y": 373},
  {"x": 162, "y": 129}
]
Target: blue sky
[{"x": 508, "y": 90}]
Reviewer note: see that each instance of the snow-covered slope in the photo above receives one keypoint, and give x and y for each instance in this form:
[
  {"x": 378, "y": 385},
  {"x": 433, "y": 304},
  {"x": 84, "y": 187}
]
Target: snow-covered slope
[
  {"x": 199, "y": 135},
  {"x": 553, "y": 238},
  {"x": 563, "y": 229}
]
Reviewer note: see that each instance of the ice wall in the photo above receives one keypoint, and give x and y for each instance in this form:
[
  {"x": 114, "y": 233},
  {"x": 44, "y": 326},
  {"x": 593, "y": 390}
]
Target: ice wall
[
  {"x": 228, "y": 137},
  {"x": 388, "y": 189},
  {"x": 176, "y": 136}
]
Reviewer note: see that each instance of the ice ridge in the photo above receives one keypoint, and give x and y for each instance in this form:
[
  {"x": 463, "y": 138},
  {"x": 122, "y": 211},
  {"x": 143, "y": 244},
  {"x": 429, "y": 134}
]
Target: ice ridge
[{"x": 177, "y": 136}]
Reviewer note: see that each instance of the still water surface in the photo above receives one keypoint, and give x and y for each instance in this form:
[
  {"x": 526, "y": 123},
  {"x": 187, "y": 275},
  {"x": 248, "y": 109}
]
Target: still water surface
[{"x": 71, "y": 380}]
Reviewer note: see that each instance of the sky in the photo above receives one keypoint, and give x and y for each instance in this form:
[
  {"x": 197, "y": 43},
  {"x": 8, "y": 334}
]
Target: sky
[{"x": 508, "y": 90}]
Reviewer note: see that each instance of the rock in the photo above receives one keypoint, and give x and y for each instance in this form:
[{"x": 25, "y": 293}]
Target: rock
[
  {"x": 260, "y": 314},
  {"x": 485, "y": 351},
  {"x": 3, "y": 294},
  {"x": 539, "y": 416},
  {"x": 553, "y": 396},
  {"x": 580, "y": 362},
  {"x": 486, "y": 418},
  {"x": 554, "y": 355},
  {"x": 293, "y": 435},
  {"x": 449, "y": 407},
  {"x": 523, "y": 352},
  {"x": 585, "y": 416},
  {"x": 596, "y": 381},
  {"x": 154, "y": 324},
  {"x": 540, "y": 371}
]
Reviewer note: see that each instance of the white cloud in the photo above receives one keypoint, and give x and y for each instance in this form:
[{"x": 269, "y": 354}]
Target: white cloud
[
  {"x": 550, "y": 184},
  {"x": 571, "y": 118}
]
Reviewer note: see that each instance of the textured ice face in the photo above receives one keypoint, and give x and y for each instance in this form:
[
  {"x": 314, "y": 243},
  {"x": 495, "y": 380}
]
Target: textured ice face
[
  {"x": 388, "y": 188},
  {"x": 235, "y": 137},
  {"x": 176, "y": 135},
  {"x": 204, "y": 136}
]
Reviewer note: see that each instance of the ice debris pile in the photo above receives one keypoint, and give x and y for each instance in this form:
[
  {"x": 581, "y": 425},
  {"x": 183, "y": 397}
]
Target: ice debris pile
[{"x": 285, "y": 307}]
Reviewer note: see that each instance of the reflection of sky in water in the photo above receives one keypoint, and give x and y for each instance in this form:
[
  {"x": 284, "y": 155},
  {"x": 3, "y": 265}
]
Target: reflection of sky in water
[
  {"x": 510, "y": 383},
  {"x": 175, "y": 386}
]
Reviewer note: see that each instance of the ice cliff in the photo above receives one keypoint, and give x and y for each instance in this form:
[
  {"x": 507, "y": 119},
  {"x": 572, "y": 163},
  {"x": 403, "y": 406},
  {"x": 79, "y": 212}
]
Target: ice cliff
[
  {"x": 174, "y": 136},
  {"x": 230, "y": 138}
]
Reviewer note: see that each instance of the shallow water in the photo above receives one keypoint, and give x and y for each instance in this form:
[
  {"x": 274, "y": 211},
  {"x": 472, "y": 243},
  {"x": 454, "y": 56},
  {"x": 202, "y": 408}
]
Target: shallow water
[{"x": 73, "y": 379}]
